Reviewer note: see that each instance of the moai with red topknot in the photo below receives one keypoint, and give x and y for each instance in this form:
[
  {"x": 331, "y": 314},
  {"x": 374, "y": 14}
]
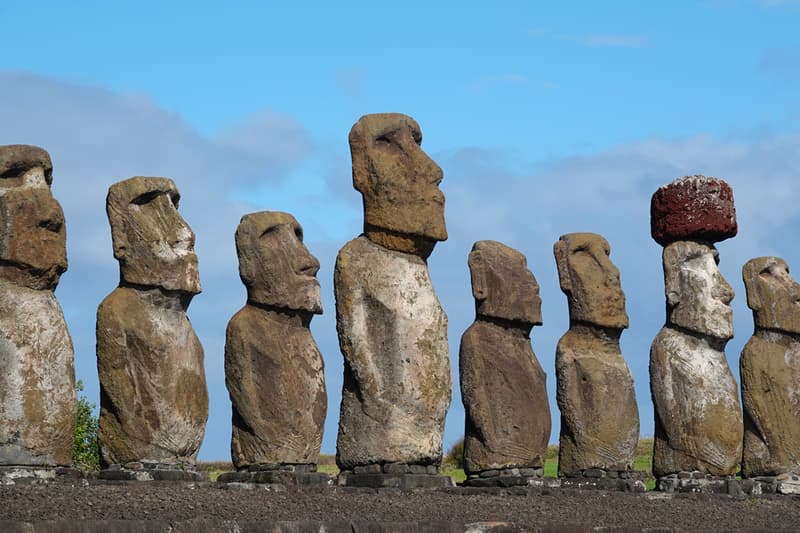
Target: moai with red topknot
[{"x": 698, "y": 417}]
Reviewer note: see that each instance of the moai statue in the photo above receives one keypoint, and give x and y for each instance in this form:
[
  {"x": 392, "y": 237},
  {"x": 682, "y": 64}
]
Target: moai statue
[
  {"x": 599, "y": 416},
  {"x": 153, "y": 398},
  {"x": 502, "y": 383},
  {"x": 770, "y": 371},
  {"x": 273, "y": 368},
  {"x": 38, "y": 407},
  {"x": 698, "y": 417},
  {"x": 392, "y": 328}
]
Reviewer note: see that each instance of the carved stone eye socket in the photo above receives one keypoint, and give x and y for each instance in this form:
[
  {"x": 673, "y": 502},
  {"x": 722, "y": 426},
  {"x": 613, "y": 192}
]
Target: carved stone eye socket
[
  {"x": 298, "y": 232},
  {"x": 146, "y": 198}
]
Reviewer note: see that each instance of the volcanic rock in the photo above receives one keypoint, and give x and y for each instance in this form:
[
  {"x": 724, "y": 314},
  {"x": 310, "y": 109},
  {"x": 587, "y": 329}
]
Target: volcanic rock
[
  {"x": 153, "y": 398},
  {"x": 599, "y": 415},
  {"x": 503, "y": 386},
  {"x": 770, "y": 370},
  {"x": 273, "y": 367}
]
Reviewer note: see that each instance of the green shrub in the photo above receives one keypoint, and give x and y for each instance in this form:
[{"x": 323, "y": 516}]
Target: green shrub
[
  {"x": 85, "y": 451},
  {"x": 455, "y": 455}
]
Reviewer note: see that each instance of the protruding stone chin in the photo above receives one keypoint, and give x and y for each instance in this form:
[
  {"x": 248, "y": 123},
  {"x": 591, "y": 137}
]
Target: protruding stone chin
[
  {"x": 693, "y": 208},
  {"x": 273, "y": 368},
  {"x": 502, "y": 383},
  {"x": 770, "y": 370},
  {"x": 599, "y": 415},
  {"x": 153, "y": 402}
]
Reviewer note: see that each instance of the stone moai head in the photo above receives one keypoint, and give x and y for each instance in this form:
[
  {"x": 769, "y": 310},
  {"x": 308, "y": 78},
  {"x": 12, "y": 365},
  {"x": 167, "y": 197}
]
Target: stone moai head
[
  {"x": 33, "y": 242},
  {"x": 698, "y": 297},
  {"x": 590, "y": 280},
  {"x": 399, "y": 183},
  {"x": 275, "y": 265},
  {"x": 23, "y": 166},
  {"x": 502, "y": 285},
  {"x": 772, "y": 294},
  {"x": 152, "y": 242}
]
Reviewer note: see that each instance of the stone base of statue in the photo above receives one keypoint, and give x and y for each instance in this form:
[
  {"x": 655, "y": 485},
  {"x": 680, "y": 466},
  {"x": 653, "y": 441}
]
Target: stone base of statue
[
  {"x": 25, "y": 474},
  {"x": 504, "y": 477},
  {"x": 782, "y": 484},
  {"x": 145, "y": 471},
  {"x": 395, "y": 476},
  {"x": 697, "y": 481},
  {"x": 601, "y": 479},
  {"x": 278, "y": 474}
]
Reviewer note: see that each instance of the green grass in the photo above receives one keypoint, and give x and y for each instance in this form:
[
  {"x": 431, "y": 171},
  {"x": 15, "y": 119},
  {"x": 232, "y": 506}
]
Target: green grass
[{"x": 451, "y": 465}]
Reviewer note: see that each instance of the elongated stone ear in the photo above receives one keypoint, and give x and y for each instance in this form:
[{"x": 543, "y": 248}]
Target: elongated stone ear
[
  {"x": 477, "y": 271},
  {"x": 560, "y": 251}
]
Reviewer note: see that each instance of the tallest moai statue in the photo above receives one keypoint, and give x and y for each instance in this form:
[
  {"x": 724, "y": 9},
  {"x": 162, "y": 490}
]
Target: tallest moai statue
[
  {"x": 37, "y": 375},
  {"x": 698, "y": 425},
  {"x": 392, "y": 329}
]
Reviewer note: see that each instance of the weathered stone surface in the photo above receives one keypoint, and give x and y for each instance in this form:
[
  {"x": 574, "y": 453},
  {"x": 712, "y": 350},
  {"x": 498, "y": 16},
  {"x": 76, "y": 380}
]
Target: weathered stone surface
[
  {"x": 698, "y": 422},
  {"x": 392, "y": 328},
  {"x": 403, "y": 206},
  {"x": 393, "y": 335},
  {"x": 22, "y": 165},
  {"x": 503, "y": 386},
  {"x": 599, "y": 415},
  {"x": 273, "y": 367},
  {"x": 693, "y": 207},
  {"x": 153, "y": 398},
  {"x": 37, "y": 376},
  {"x": 770, "y": 370},
  {"x": 152, "y": 242}
]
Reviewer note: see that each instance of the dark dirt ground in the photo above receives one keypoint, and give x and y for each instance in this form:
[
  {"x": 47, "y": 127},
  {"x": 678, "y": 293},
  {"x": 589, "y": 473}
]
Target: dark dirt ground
[{"x": 77, "y": 500}]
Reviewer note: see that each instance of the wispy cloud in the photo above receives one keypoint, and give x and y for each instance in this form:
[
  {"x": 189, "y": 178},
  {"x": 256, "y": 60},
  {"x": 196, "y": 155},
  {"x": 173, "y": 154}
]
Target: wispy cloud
[{"x": 613, "y": 40}]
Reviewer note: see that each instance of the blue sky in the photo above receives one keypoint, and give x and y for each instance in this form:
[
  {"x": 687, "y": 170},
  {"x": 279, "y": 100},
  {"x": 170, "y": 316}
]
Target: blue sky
[{"x": 547, "y": 118}]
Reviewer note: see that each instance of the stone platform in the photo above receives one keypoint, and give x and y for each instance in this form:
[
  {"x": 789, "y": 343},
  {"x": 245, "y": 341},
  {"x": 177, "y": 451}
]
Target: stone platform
[
  {"x": 701, "y": 482},
  {"x": 506, "y": 477},
  {"x": 144, "y": 471},
  {"x": 13, "y": 474},
  {"x": 278, "y": 474},
  {"x": 396, "y": 476},
  {"x": 598, "y": 478}
]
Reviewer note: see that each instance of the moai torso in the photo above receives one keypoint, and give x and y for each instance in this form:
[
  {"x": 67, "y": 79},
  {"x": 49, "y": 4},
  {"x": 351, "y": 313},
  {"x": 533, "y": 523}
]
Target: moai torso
[
  {"x": 392, "y": 329},
  {"x": 37, "y": 377},
  {"x": 393, "y": 335},
  {"x": 273, "y": 368},
  {"x": 698, "y": 416},
  {"x": 770, "y": 371},
  {"x": 503, "y": 386},
  {"x": 153, "y": 397},
  {"x": 595, "y": 394},
  {"x": 154, "y": 403}
]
